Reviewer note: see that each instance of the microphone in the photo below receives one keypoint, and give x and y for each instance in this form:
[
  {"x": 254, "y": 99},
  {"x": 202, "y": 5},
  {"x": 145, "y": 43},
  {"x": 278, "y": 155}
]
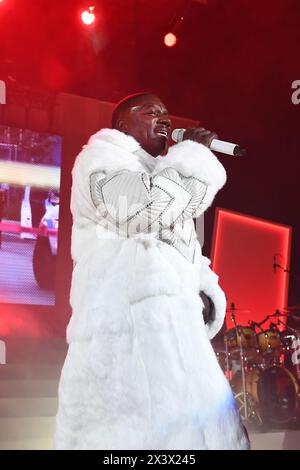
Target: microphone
[{"x": 216, "y": 145}]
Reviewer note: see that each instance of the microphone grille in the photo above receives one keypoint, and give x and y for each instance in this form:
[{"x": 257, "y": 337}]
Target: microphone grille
[{"x": 177, "y": 135}]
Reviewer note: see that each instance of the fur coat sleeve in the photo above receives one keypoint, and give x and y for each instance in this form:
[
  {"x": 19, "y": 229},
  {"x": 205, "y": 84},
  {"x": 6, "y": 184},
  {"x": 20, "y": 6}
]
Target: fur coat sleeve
[
  {"x": 212, "y": 289},
  {"x": 199, "y": 168}
]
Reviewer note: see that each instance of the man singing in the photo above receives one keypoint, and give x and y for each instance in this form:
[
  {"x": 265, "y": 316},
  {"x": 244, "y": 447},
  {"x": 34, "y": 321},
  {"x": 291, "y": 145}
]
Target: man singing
[{"x": 140, "y": 372}]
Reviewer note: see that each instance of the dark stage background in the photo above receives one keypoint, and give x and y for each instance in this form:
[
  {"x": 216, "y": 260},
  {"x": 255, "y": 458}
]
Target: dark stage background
[{"x": 232, "y": 69}]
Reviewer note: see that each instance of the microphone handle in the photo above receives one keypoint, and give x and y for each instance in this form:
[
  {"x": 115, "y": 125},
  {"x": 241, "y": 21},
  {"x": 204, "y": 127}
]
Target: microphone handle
[{"x": 226, "y": 147}]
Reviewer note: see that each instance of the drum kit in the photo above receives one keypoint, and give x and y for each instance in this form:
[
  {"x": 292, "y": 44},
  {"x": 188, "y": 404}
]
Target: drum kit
[{"x": 263, "y": 368}]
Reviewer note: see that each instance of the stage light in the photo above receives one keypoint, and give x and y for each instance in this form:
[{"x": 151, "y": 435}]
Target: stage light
[
  {"x": 88, "y": 16},
  {"x": 170, "y": 39}
]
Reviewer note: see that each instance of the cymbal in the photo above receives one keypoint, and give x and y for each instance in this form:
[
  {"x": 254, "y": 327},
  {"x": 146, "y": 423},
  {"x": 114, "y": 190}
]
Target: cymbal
[
  {"x": 294, "y": 317},
  {"x": 293, "y": 308},
  {"x": 290, "y": 314}
]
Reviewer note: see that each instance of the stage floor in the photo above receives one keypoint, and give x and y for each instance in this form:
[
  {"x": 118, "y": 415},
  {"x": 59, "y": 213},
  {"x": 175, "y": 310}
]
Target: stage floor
[{"x": 275, "y": 440}]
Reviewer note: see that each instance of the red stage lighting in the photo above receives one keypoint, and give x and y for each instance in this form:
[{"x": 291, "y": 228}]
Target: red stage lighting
[
  {"x": 88, "y": 16},
  {"x": 170, "y": 39}
]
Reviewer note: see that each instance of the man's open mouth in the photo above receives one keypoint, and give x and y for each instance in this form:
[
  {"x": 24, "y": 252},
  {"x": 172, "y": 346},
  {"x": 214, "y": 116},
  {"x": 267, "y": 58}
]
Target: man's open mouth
[{"x": 163, "y": 131}]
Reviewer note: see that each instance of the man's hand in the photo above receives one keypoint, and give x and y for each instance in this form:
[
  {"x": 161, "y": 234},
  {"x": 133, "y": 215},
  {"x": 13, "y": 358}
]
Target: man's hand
[
  {"x": 209, "y": 313},
  {"x": 200, "y": 135}
]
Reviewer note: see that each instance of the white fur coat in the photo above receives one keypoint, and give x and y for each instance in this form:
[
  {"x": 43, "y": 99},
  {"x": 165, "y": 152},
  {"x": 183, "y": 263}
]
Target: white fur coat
[{"x": 140, "y": 372}]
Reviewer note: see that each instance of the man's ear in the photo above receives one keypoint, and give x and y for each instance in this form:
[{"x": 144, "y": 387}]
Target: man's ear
[{"x": 122, "y": 126}]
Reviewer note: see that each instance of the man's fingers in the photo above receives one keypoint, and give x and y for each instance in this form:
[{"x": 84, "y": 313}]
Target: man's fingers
[
  {"x": 214, "y": 136},
  {"x": 204, "y": 132},
  {"x": 200, "y": 135}
]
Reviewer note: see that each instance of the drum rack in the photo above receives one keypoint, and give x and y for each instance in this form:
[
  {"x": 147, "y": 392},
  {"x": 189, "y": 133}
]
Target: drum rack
[{"x": 266, "y": 390}]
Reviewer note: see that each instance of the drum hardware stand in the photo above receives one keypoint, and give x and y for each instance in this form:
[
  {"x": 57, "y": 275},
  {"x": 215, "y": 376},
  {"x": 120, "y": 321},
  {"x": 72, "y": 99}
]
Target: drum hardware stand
[
  {"x": 258, "y": 325},
  {"x": 243, "y": 375},
  {"x": 244, "y": 393},
  {"x": 251, "y": 413},
  {"x": 249, "y": 403},
  {"x": 227, "y": 361},
  {"x": 232, "y": 317}
]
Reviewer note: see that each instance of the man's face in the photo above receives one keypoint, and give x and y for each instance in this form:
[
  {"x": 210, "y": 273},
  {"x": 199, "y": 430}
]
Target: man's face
[{"x": 147, "y": 120}]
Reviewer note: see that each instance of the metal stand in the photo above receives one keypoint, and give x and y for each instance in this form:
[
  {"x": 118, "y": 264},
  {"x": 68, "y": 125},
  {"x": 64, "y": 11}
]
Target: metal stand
[
  {"x": 243, "y": 373},
  {"x": 239, "y": 334}
]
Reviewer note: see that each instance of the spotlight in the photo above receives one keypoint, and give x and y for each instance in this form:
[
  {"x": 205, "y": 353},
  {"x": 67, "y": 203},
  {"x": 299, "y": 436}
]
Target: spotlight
[
  {"x": 88, "y": 16},
  {"x": 170, "y": 39}
]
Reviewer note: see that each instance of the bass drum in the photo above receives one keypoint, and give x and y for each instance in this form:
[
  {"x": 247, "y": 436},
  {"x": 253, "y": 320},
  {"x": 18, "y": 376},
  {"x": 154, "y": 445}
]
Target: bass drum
[{"x": 275, "y": 392}]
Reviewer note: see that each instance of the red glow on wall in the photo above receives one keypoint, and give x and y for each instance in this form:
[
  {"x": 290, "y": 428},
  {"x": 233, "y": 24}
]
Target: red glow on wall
[
  {"x": 170, "y": 39},
  {"x": 243, "y": 256},
  {"x": 54, "y": 73}
]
